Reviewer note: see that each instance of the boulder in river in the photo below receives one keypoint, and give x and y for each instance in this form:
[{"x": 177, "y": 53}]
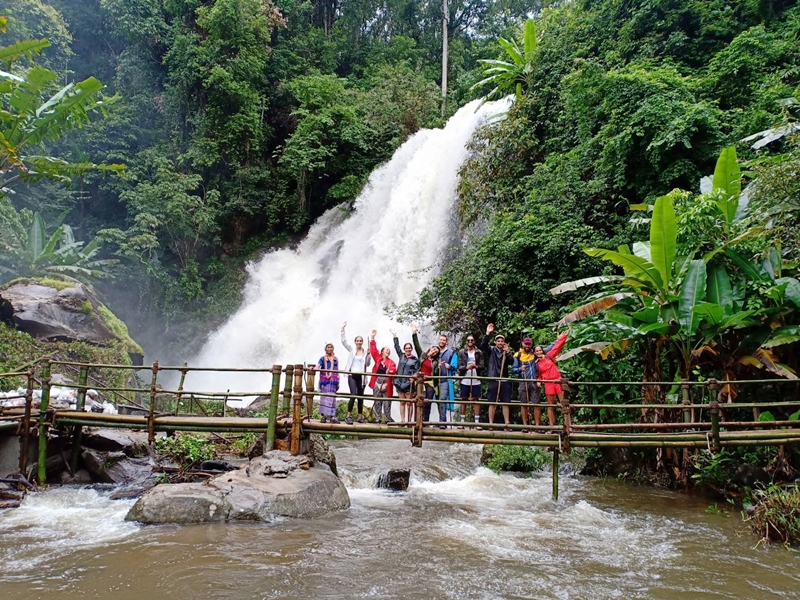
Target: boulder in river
[
  {"x": 117, "y": 467},
  {"x": 277, "y": 484},
  {"x": 395, "y": 480}
]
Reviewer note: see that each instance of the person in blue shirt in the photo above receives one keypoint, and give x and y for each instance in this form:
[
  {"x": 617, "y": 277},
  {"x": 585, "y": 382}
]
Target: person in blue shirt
[{"x": 448, "y": 365}]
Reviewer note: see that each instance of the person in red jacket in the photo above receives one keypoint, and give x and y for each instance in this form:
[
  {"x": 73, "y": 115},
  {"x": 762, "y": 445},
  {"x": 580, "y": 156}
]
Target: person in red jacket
[
  {"x": 548, "y": 369},
  {"x": 381, "y": 382}
]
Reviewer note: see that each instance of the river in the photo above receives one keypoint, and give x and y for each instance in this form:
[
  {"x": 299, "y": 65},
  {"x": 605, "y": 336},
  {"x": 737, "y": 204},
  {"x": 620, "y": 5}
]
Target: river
[{"x": 460, "y": 532}]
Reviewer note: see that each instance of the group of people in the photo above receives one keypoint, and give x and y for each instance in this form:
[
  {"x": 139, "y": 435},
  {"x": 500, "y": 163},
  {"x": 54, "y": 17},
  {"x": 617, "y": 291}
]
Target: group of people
[{"x": 442, "y": 369}]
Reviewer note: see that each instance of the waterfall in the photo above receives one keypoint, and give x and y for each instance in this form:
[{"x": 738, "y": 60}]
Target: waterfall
[{"x": 352, "y": 265}]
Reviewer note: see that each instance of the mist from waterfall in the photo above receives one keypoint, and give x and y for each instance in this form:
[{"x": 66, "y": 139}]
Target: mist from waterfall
[{"x": 351, "y": 265}]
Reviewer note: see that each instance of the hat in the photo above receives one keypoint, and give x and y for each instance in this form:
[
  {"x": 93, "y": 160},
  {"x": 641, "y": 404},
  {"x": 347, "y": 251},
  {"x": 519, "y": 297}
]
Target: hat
[
  {"x": 499, "y": 336},
  {"x": 527, "y": 341}
]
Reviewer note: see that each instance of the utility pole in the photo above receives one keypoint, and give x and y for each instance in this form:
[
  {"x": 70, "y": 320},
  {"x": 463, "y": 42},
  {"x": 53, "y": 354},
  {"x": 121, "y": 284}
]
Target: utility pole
[{"x": 445, "y": 22}]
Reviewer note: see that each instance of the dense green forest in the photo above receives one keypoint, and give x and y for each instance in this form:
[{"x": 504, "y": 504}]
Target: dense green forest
[{"x": 241, "y": 121}]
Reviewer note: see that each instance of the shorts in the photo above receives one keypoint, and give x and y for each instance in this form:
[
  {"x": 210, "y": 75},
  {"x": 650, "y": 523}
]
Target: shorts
[
  {"x": 529, "y": 393},
  {"x": 504, "y": 393},
  {"x": 470, "y": 391}
]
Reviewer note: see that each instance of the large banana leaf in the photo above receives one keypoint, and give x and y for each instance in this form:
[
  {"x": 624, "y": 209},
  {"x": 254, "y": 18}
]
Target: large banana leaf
[
  {"x": 604, "y": 349},
  {"x": 634, "y": 266},
  {"x": 792, "y": 290},
  {"x": 571, "y": 286},
  {"x": 782, "y": 336},
  {"x": 693, "y": 292},
  {"x": 592, "y": 308},
  {"x": 642, "y": 250},
  {"x": 25, "y": 48},
  {"x": 719, "y": 288},
  {"x": 663, "y": 237},
  {"x": 36, "y": 237},
  {"x": 765, "y": 359},
  {"x": 529, "y": 39},
  {"x": 728, "y": 179},
  {"x": 753, "y": 271}
]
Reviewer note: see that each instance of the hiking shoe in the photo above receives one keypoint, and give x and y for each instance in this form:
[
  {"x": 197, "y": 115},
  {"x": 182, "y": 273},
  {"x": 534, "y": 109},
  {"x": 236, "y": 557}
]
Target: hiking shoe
[
  {"x": 389, "y": 421},
  {"x": 360, "y": 420},
  {"x": 349, "y": 420},
  {"x": 334, "y": 420},
  {"x": 323, "y": 420}
]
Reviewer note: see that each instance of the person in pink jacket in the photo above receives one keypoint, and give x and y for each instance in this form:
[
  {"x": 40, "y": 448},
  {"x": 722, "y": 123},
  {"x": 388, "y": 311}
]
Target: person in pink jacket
[
  {"x": 548, "y": 370},
  {"x": 382, "y": 377}
]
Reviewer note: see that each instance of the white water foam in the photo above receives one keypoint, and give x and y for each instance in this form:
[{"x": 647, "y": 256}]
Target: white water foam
[
  {"x": 349, "y": 268},
  {"x": 60, "y": 521}
]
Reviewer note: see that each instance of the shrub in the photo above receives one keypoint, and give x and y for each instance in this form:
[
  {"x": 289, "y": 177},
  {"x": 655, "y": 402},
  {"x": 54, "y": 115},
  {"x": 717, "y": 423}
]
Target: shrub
[
  {"x": 187, "y": 449},
  {"x": 775, "y": 514},
  {"x": 515, "y": 458}
]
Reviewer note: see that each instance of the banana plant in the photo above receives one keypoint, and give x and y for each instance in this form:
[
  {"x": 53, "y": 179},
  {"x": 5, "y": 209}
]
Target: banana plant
[
  {"x": 35, "y": 253},
  {"x": 516, "y": 73}
]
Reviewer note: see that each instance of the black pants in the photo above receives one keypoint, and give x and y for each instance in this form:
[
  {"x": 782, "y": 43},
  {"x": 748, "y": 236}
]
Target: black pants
[
  {"x": 426, "y": 411},
  {"x": 356, "y": 383}
]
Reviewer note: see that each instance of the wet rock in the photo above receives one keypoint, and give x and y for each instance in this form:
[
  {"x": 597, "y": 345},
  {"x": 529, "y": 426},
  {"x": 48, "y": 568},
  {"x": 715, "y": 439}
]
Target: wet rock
[
  {"x": 748, "y": 475},
  {"x": 118, "y": 467},
  {"x": 395, "y": 479},
  {"x": 80, "y": 476},
  {"x": 321, "y": 452},
  {"x": 6, "y": 504},
  {"x": 128, "y": 494},
  {"x": 222, "y": 466},
  {"x": 277, "y": 484},
  {"x": 67, "y": 315},
  {"x": 132, "y": 443}
]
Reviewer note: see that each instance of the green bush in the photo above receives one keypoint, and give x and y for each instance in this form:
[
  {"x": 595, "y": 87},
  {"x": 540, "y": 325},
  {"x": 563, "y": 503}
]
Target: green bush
[
  {"x": 187, "y": 449},
  {"x": 516, "y": 458},
  {"x": 775, "y": 514}
]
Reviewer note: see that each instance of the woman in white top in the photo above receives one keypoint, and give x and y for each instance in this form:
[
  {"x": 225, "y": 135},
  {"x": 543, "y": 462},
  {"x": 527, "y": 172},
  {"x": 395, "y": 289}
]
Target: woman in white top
[{"x": 358, "y": 361}]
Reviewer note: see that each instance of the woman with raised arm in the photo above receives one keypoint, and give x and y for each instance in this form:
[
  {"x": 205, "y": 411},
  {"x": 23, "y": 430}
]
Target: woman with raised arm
[
  {"x": 429, "y": 367},
  {"x": 407, "y": 366},
  {"x": 328, "y": 367},
  {"x": 358, "y": 361},
  {"x": 548, "y": 370},
  {"x": 382, "y": 375}
]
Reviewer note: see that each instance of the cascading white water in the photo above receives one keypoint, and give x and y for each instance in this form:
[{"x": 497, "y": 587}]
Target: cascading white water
[{"x": 350, "y": 267}]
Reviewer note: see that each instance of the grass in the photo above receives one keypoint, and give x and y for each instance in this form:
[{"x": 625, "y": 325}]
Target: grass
[
  {"x": 118, "y": 327},
  {"x": 52, "y": 282},
  {"x": 774, "y": 514}
]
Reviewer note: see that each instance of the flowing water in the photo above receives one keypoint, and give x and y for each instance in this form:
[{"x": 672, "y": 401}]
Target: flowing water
[
  {"x": 459, "y": 532},
  {"x": 350, "y": 267}
]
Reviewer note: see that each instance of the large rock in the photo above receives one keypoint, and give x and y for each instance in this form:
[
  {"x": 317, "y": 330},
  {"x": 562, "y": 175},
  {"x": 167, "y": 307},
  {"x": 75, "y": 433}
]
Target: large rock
[
  {"x": 62, "y": 311},
  {"x": 321, "y": 452},
  {"x": 129, "y": 441},
  {"x": 119, "y": 468},
  {"x": 277, "y": 484},
  {"x": 395, "y": 480}
]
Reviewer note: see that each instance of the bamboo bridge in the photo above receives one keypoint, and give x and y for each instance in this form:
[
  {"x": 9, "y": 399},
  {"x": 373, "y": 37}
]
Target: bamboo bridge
[{"x": 691, "y": 424}]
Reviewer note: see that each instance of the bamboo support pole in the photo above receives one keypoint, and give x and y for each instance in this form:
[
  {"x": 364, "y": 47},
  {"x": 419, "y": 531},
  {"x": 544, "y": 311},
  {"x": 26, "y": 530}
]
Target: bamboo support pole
[
  {"x": 151, "y": 423},
  {"x": 269, "y": 443},
  {"x": 416, "y": 439},
  {"x": 297, "y": 400},
  {"x": 555, "y": 473},
  {"x": 566, "y": 420},
  {"x": 310, "y": 378},
  {"x": 45, "y": 402},
  {"x": 715, "y": 438},
  {"x": 287, "y": 389},
  {"x": 80, "y": 402},
  {"x": 25, "y": 442},
  {"x": 179, "y": 395}
]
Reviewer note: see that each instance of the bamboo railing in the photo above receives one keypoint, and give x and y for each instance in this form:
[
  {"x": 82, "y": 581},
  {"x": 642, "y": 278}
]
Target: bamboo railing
[{"x": 291, "y": 406}]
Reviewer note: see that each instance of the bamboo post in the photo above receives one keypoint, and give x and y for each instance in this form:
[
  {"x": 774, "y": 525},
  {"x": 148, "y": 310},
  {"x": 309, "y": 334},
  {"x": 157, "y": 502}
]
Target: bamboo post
[
  {"x": 80, "y": 402},
  {"x": 151, "y": 417},
  {"x": 297, "y": 400},
  {"x": 687, "y": 412},
  {"x": 566, "y": 416},
  {"x": 26, "y": 423},
  {"x": 310, "y": 376},
  {"x": 225, "y": 404},
  {"x": 555, "y": 473},
  {"x": 273, "y": 408},
  {"x": 179, "y": 395},
  {"x": 416, "y": 439},
  {"x": 45, "y": 402},
  {"x": 287, "y": 389},
  {"x": 714, "y": 406}
]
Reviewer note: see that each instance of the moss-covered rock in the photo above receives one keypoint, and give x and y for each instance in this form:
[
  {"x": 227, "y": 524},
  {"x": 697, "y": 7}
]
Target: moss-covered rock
[{"x": 57, "y": 310}]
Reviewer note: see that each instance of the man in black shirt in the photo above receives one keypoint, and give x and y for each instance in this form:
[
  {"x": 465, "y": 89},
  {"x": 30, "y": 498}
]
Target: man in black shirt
[{"x": 499, "y": 360}]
